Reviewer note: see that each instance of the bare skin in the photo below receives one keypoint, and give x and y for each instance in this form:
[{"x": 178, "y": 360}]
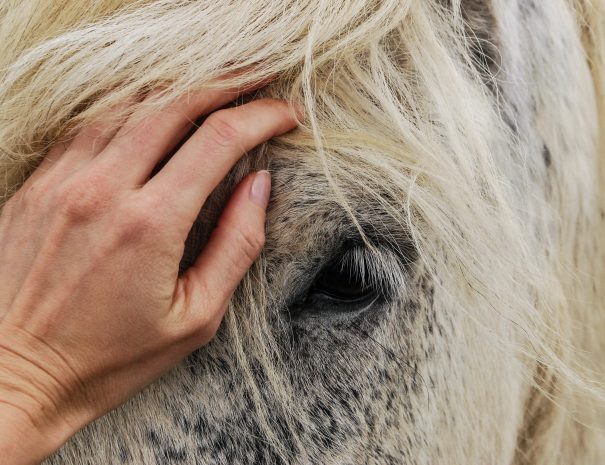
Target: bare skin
[{"x": 91, "y": 305}]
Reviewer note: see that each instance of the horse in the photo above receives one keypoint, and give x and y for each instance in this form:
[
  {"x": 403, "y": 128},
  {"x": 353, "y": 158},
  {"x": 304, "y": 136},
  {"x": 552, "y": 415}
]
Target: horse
[{"x": 431, "y": 290}]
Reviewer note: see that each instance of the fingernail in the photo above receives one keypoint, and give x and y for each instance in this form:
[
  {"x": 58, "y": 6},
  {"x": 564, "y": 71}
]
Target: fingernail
[{"x": 261, "y": 188}]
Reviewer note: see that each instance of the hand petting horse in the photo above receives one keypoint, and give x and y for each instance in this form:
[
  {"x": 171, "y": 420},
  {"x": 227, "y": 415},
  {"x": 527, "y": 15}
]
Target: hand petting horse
[{"x": 432, "y": 286}]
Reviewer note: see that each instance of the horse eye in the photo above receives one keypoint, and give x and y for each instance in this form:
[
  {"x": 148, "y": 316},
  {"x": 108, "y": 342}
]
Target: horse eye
[{"x": 341, "y": 282}]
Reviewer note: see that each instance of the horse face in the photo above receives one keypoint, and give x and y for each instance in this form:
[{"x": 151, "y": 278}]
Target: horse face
[{"x": 389, "y": 319}]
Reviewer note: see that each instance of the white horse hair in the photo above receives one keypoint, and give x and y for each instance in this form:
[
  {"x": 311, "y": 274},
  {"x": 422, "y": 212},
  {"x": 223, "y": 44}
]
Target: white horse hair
[{"x": 432, "y": 289}]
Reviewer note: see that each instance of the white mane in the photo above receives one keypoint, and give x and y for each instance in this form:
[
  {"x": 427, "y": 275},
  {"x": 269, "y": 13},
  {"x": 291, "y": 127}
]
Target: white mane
[{"x": 398, "y": 110}]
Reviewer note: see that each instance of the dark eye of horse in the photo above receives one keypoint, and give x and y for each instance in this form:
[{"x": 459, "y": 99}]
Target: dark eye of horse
[
  {"x": 343, "y": 283},
  {"x": 343, "y": 287}
]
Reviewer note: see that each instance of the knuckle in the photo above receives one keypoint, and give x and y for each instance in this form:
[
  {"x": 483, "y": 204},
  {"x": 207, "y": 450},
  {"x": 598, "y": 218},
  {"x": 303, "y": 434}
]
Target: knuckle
[
  {"x": 251, "y": 243},
  {"x": 137, "y": 218},
  {"x": 222, "y": 127},
  {"x": 84, "y": 198}
]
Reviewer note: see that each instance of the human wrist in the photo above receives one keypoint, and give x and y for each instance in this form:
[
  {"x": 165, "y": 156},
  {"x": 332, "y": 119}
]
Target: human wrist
[
  {"x": 35, "y": 415},
  {"x": 22, "y": 440}
]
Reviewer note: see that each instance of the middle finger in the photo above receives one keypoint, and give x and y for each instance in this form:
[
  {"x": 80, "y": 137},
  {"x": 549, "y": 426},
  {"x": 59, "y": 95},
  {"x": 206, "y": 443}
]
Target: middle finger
[{"x": 148, "y": 140}]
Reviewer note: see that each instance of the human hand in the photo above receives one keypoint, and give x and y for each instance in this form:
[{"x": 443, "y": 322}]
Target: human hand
[{"x": 91, "y": 305}]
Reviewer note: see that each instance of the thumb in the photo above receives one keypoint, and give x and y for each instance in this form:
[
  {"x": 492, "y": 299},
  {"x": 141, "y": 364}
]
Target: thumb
[{"x": 234, "y": 245}]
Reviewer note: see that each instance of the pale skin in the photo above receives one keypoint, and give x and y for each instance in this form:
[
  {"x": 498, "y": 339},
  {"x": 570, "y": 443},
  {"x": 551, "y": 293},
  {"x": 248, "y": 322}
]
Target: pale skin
[{"x": 92, "y": 308}]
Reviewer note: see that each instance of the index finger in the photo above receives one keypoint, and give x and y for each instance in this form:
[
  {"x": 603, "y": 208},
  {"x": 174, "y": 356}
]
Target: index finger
[
  {"x": 204, "y": 160},
  {"x": 148, "y": 139}
]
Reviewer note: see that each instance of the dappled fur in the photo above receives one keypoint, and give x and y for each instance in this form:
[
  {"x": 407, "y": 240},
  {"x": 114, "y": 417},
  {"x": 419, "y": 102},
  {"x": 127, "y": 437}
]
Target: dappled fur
[{"x": 455, "y": 146}]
